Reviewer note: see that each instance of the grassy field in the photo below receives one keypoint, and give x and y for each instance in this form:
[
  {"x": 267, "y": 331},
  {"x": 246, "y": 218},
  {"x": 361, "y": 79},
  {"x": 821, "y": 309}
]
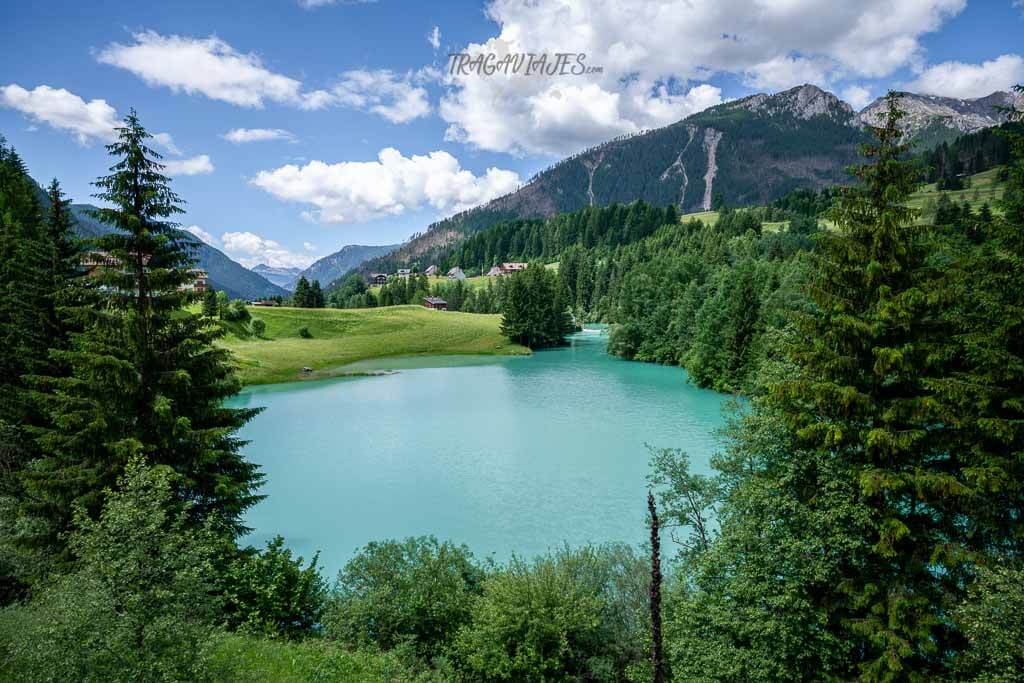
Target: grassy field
[
  {"x": 984, "y": 188},
  {"x": 340, "y": 337}
]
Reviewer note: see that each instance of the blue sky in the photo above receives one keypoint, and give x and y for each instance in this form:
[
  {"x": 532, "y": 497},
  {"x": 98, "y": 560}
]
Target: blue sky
[{"x": 349, "y": 130}]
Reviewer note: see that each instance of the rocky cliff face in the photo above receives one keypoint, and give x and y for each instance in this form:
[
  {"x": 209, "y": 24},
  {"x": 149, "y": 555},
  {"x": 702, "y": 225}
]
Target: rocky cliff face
[{"x": 931, "y": 113}]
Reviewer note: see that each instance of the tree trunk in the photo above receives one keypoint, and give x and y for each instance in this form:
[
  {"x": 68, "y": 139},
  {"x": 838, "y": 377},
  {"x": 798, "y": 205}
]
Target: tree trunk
[{"x": 656, "y": 654}]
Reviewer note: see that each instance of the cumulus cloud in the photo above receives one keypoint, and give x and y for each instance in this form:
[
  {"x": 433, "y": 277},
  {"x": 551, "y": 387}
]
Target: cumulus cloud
[
  {"x": 355, "y": 191},
  {"x": 202, "y": 234},
  {"x": 648, "y": 78},
  {"x": 197, "y": 165},
  {"x": 396, "y": 98},
  {"x": 251, "y": 249},
  {"x": 209, "y": 67},
  {"x": 63, "y": 110},
  {"x": 434, "y": 37},
  {"x": 165, "y": 141},
  {"x": 957, "y": 79},
  {"x": 857, "y": 96},
  {"x": 241, "y": 136}
]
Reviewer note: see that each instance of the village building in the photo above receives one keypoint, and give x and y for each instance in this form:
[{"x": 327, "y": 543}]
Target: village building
[
  {"x": 264, "y": 302},
  {"x": 96, "y": 260},
  {"x": 378, "y": 279},
  {"x": 432, "y": 271},
  {"x": 511, "y": 268},
  {"x": 404, "y": 273},
  {"x": 495, "y": 271},
  {"x": 435, "y": 303},
  {"x": 456, "y": 274},
  {"x": 200, "y": 281}
]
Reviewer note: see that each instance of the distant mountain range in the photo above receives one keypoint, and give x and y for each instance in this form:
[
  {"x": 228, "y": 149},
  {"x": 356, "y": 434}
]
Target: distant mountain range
[
  {"x": 225, "y": 275},
  {"x": 326, "y": 270},
  {"x": 748, "y": 151},
  {"x": 281, "y": 276}
]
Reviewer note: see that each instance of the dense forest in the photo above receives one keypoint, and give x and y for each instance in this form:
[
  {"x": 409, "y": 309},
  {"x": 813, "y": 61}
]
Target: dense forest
[{"x": 862, "y": 521}]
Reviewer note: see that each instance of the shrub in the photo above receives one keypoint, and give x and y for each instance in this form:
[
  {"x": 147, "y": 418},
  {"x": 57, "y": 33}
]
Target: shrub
[
  {"x": 235, "y": 311},
  {"x": 305, "y": 333},
  {"x": 137, "y": 607},
  {"x": 258, "y": 327},
  {"x": 270, "y": 592},
  {"x": 416, "y": 590},
  {"x": 573, "y": 615}
]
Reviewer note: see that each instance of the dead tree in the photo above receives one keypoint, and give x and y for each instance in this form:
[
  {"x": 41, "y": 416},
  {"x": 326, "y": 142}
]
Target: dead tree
[{"x": 656, "y": 653}]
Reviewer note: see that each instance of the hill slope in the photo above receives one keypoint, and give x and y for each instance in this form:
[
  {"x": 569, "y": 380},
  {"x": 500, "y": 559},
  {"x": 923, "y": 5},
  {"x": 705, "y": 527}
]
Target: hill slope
[
  {"x": 330, "y": 268},
  {"x": 280, "y": 276}
]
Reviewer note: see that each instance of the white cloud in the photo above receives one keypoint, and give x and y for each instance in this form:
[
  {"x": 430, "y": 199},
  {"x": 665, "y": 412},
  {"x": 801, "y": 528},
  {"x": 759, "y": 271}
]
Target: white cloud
[
  {"x": 857, "y": 96},
  {"x": 649, "y": 75},
  {"x": 243, "y": 135},
  {"x": 207, "y": 66},
  {"x": 309, "y": 246},
  {"x": 957, "y": 79},
  {"x": 165, "y": 141},
  {"x": 197, "y": 165},
  {"x": 251, "y": 249},
  {"x": 396, "y": 98},
  {"x": 434, "y": 37},
  {"x": 63, "y": 110},
  {"x": 354, "y": 191},
  {"x": 202, "y": 234}
]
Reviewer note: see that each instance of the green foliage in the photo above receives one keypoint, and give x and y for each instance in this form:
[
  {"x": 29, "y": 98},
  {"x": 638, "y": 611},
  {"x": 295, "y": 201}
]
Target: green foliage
[
  {"x": 307, "y": 294},
  {"x": 417, "y": 591},
  {"x": 259, "y": 327},
  {"x": 992, "y": 620},
  {"x": 573, "y": 615},
  {"x": 235, "y": 311},
  {"x": 270, "y": 592},
  {"x": 305, "y": 333},
  {"x": 137, "y": 606},
  {"x": 211, "y": 308},
  {"x": 535, "y": 313}
]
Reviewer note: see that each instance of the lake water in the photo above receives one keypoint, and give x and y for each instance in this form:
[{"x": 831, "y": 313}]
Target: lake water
[{"x": 502, "y": 454}]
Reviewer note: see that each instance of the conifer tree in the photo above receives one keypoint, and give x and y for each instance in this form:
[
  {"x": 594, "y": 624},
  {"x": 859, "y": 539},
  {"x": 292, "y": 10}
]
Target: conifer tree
[
  {"x": 144, "y": 376},
  {"x": 300, "y": 297},
  {"x": 860, "y": 397}
]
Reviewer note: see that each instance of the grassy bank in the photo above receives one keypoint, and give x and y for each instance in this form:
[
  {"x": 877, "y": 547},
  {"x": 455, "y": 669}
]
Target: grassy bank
[{"x": 339, "y": 337}]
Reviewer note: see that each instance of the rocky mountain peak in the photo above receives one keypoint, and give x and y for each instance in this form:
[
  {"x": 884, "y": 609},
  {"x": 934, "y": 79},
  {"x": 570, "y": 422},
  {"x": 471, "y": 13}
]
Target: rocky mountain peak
[
  {"x": 960, "y": 115},
  {"x": 803, "y": 102}
]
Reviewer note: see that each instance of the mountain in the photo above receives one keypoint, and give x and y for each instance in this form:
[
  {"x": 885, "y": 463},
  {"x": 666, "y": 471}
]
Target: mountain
[
  {"x": 931, "y": 120},
  {"x": 281, "y": 276},
  {"x": 330, "y": 268},
  {"x": 225, "y": 275},
  {"x": 748, "y": 151}
]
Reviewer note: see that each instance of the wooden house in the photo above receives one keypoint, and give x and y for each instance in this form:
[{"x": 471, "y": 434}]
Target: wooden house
[{"x": 435, "y": 303}]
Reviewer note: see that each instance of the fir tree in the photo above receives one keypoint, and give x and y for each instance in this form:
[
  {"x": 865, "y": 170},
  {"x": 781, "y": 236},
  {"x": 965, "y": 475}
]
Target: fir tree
[
  {"x": 300, "y": 297},
  {"x": 144, "y": 376},
  {"x": 860, "y": 397}
]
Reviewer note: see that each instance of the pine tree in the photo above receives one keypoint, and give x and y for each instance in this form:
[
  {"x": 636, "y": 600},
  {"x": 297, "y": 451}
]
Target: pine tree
[
  {"x": 315, "y": 298},
  {"x": 860, "y": 397},
  {"x": 144, "y": 376},
  {"x": 300, "y": 297},
  {"x": 210, "y": 306}
]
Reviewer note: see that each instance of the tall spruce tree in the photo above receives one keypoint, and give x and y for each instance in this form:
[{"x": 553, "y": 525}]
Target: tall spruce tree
[
  {"x": 144, "y": 376},
  {"x": 860, "y": 398}
]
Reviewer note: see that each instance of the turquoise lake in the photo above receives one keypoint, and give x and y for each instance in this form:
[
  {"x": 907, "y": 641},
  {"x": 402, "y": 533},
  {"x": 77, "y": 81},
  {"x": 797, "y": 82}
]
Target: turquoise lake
[{"x": 506, "y": 455}]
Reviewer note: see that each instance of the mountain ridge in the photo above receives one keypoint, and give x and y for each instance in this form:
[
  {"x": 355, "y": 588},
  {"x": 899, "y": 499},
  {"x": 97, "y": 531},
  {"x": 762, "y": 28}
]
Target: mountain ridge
[{"x": 747, "y": 151}]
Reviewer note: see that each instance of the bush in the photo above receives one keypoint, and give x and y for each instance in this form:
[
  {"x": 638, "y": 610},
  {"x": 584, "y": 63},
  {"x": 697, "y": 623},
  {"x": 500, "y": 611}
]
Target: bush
[
  {"x": 235, "y": 311},
  {"x": 137, "y": 607},
  {"x": 258, "y": 327},
  {"x": 574, "y": 615},
  {"x": 270, "y": 592},
  {"x": 992, "y": 620},
  {"x": 305, "y": 333},
  {"x": 417, "y": 591}
]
